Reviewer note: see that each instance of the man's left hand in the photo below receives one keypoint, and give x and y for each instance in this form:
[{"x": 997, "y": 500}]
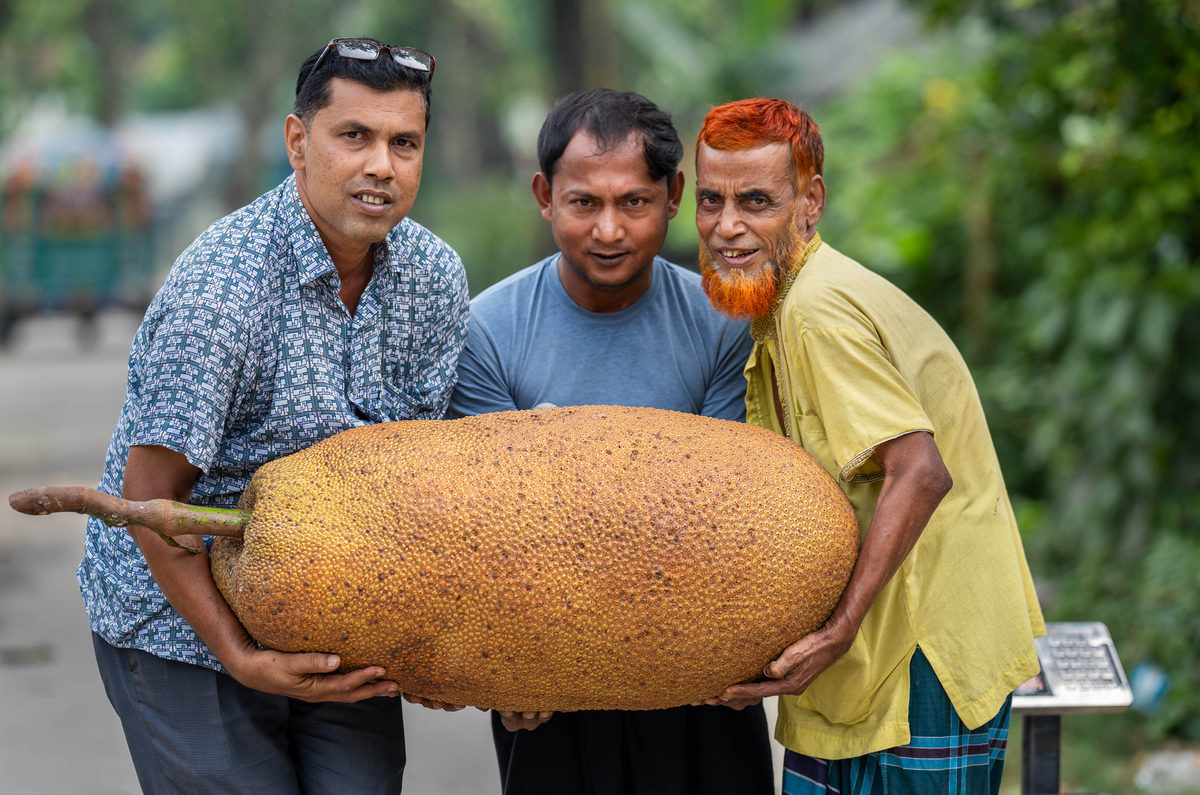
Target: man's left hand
[
  {"x": 726, "y": 699},
  {"x": 796, "y": 668}
]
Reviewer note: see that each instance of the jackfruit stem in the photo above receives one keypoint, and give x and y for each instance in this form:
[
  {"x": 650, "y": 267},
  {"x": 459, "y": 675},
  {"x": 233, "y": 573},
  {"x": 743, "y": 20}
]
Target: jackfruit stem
[{"x": 167, "y": 518}]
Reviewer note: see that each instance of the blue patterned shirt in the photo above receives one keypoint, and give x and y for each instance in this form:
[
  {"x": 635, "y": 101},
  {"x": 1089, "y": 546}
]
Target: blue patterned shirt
[{"x": 248, "y": 354}]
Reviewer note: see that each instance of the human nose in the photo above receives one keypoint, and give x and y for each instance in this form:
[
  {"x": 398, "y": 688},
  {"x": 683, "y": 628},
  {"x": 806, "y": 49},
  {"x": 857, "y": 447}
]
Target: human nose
[
  {"x": 729, "y": 222},
  {"x": 378, "y": 163},
  {"x": 608, "y": 227}
]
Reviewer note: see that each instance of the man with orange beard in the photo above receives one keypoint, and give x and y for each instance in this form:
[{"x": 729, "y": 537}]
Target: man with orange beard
[{"x": 907, "y": 686}]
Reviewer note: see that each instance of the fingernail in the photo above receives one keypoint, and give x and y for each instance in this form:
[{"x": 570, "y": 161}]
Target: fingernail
[{"x": 331, "y": 661}]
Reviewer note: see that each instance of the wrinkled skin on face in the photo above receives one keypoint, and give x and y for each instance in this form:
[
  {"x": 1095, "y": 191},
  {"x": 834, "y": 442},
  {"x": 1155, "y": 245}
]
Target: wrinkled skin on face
[{"x": 752, "y": 219}]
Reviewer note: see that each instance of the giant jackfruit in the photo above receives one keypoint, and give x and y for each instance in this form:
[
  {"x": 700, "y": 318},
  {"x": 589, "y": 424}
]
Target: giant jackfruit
[{"x": 594, "y": 557}]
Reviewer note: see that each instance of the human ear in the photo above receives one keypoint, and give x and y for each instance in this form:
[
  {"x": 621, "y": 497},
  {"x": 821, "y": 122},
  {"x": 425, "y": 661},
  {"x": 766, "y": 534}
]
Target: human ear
[
  {"x": 542, "y": 193},
  {"x": 295, "y": 138},
  {"x": 814, "y": 200},
  {"x": 674, "y": 194}
]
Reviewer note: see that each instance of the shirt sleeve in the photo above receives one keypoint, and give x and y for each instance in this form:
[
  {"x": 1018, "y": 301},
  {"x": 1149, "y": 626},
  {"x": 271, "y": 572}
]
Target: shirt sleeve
[
  {"x": 726, "y": 395},
  {"x": 188, "y": 373},
  {"x": 446, "y": 339},
  {"x": 858, "y": 395},
  {"x": 482, "y": 387}
]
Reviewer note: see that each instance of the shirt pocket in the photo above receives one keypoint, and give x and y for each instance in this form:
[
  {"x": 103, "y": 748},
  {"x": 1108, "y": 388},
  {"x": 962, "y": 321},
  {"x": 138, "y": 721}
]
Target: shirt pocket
[
  {"x": 815, "y": 442},
  {"x": 842, "y": 694},
  {"x": 390, "y": 402}
]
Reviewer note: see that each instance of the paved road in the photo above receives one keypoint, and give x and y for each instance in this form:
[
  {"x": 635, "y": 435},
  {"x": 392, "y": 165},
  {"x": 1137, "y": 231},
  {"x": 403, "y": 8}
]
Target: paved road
[{"x": 58, "y": 734}]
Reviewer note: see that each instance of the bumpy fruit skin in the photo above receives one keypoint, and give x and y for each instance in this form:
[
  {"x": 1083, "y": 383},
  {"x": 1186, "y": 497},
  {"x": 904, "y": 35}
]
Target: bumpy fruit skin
[{"x": 596, "y": 557}]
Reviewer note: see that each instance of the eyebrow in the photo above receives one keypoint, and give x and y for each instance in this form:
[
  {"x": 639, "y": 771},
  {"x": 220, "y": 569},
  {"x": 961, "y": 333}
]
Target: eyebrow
[
  {"x": 751, "y": 193},
  {"x": 754, "y": 193},
  {"x": 359, "y": 126},
  {"x": 638, "y": 192}
]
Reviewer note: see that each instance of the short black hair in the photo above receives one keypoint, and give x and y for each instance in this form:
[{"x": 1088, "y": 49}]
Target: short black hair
[
  {"x": 610, "y": 117},
  {"x": 381, "y": 74}
]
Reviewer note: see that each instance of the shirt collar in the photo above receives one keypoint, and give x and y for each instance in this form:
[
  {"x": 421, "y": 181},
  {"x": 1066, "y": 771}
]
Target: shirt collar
[
  {"x": 761, "y": 327},
  {"x": 312, "y": 258}
]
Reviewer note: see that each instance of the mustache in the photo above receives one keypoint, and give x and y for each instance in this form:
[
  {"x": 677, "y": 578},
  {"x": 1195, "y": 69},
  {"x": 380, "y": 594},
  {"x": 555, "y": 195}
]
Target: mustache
[{"x": 733, "y": 293}]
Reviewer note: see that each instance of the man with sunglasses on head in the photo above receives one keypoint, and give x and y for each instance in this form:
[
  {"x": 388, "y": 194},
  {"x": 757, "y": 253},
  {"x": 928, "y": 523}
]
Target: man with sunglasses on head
[
  {"x": 318, "y": 307},
  {"x": 606, "y": 320}
]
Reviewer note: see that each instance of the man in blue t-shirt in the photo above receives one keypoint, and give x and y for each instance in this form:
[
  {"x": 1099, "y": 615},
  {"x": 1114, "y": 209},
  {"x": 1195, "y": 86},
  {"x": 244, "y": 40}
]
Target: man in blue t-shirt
[{"x": 608, "y": 321}]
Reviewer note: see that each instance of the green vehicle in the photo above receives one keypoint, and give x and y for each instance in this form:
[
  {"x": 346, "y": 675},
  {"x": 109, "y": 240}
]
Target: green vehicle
[{"x": 75, "y": 233}]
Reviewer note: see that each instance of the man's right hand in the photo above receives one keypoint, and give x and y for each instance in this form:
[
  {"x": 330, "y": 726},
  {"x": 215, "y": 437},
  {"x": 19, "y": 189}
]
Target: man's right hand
[
  {"x": 185, "y": 579},
  {"x": 516, "y": 721},
  {"x": 309, "y": 677}
]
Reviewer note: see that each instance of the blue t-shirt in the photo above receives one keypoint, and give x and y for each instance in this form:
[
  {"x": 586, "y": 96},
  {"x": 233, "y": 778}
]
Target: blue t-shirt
[
  {"x": 530, "y": 344},
  {"x": 248, "y": 354}
]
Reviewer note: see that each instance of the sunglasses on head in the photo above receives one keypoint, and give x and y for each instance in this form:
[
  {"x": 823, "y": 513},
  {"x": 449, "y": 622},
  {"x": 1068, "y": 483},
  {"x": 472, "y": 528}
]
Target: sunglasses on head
[{"x": 367, "y": 50}]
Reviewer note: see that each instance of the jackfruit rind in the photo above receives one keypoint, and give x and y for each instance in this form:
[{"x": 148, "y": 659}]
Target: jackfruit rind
[{"x": 593, "y": 557}]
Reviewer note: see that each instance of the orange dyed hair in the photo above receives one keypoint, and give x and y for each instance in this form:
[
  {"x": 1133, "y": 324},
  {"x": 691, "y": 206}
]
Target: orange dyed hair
[{"x": 748, "y": 123}]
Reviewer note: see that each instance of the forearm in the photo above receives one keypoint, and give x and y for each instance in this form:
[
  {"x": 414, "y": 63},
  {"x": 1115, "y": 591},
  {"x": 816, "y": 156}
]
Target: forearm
[
  {"x": 183, "y": 576},
  {"x": 186, "y": 582},
  {"x": 914, "y": 484}
]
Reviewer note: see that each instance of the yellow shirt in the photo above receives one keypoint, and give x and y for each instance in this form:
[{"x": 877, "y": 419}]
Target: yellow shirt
[{"x": 864, "y": 364}]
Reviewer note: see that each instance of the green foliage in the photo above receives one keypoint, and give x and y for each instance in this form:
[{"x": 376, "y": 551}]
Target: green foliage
[
  {"x": 689, "y": 55},
  {"x": 1034, "y": 183},
  {"x": 495, "y": 227}
]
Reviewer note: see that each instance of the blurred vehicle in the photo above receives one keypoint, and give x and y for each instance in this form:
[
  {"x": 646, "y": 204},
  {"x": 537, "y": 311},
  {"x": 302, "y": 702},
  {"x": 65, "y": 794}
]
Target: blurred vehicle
[{"x": 76, "y": 231}]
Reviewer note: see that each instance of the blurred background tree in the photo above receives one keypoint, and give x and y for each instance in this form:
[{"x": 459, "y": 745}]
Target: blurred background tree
[{"x": 1026, "y": 169}]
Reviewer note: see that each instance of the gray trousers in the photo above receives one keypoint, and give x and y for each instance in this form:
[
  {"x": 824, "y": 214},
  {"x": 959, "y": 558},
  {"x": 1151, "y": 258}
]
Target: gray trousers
[{"x": 194, "y": 730}]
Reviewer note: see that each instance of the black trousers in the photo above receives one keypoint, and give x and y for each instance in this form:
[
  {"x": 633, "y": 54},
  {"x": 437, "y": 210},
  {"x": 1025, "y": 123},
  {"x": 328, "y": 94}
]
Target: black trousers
[{"x": 680, "y": 751}]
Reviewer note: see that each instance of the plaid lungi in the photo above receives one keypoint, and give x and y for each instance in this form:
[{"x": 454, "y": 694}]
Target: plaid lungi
[{"x": 943, "y": 756}]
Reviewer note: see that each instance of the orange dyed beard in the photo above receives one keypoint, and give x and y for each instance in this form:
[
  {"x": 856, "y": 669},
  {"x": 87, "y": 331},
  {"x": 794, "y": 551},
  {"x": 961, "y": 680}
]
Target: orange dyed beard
[
  {"x": 734, "y": 293},
  {"x": 744, "y": 297}
]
